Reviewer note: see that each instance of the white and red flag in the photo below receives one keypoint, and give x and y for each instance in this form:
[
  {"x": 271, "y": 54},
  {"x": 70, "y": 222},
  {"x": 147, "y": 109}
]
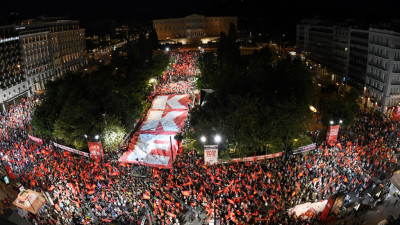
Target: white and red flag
[{"x": 154, "y": 144}]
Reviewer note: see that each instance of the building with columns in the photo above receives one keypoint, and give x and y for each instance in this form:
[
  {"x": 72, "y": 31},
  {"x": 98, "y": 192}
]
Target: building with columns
[{"x": 192, "y": 29}]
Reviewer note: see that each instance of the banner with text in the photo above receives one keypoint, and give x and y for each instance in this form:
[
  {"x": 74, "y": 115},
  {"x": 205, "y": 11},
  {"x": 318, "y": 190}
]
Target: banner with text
[
  {"x": 331, "y": 136},
  {"x": 305, "y": 148},
  {"x": 256, "y": 158},
  {"x": 71, "y": 149},
  {"x": 154, "y": 144},
  {"x": 96, "y": 150},
  {"x": 35, "y": 139},
  {"x": 210, "y": 154}
]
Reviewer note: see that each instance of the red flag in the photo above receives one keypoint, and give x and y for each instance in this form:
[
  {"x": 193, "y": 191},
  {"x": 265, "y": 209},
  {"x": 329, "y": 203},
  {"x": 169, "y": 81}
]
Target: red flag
[
  {"x": 230, "y": 201},
  {"x": 300, "y": 174},
  {"x": 264, "y": 198},
  {"x": 315, "y": 180},
  {"x": 186, "y": 193},
  {"x": 146, "y": 196}
]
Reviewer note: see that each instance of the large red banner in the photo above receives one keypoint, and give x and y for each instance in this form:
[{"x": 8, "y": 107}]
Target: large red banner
[
  {"x": 331, "y": 136},
  {"x": 96, "y": 150},
  {"x": 327, "y": 208},
  {"x": 10, "y": 172},
  {"x": 154, "y": 144}
]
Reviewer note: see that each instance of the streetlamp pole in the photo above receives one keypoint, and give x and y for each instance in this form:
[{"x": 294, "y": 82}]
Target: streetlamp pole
[
  {"x": 108, "y": 136},
  {"x": 217, "y": 139}
]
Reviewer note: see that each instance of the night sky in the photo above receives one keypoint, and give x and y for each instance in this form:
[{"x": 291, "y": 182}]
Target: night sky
[{"x": 281, "y": 15}]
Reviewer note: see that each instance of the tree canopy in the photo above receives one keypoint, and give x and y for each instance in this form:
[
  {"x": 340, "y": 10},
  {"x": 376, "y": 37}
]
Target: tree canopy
[
  {"x": 257, "y": 105},
  {"x": 81, "y": 103}
]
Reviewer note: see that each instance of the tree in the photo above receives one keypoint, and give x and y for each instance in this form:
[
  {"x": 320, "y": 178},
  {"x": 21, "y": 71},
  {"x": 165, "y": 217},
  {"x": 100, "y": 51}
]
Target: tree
[
  {"x": 74, "y": 104},
  {"x": 256, "y": 106},
  {"x": 153, "y": 39},
  {"x": 335, "y": 107}
]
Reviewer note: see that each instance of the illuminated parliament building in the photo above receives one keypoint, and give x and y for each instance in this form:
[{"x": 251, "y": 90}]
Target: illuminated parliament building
[{"x": 193, "y": 29}]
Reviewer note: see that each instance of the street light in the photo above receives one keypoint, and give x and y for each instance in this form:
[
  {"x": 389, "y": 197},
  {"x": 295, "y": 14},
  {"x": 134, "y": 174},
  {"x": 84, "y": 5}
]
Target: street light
[
  {"x": 203, "y": 139},
  {"x": 96, "y": 137},
  {"x": 85, "y": 136},
  {"x": 167, "y": 49},
  {"x": 331, "y": 122},
  {"x": 340, "y": 121},
  {"x": 217, "y": 139}
]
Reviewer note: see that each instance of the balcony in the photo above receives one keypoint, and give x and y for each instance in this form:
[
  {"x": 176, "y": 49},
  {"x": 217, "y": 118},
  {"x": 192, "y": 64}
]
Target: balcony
[
  {"x": 377, "y": 54},
  {"x": 375, "y": 77},
  {"x": 378, "y": 43},
  {"x": 377, "y": 66}
]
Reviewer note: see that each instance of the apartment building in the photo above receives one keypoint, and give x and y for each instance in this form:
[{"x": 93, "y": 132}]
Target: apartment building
[
  {"x": 383, "y": 68},
  {"x": 358, "y": 58}
]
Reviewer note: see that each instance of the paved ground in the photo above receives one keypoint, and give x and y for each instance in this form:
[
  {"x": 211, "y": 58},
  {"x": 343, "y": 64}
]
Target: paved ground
[{"x": 376, "y": 214}]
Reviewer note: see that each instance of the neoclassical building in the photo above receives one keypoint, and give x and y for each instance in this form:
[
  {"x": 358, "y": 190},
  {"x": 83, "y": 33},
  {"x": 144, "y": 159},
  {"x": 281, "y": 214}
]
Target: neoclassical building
[
  {"x": 192, "y": 29},
  {"x": 35, "y": 51}
]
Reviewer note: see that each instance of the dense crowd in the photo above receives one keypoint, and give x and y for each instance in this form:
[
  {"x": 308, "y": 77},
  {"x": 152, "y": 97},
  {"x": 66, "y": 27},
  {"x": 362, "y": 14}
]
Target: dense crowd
[
  {"x": 258, "y": 192},
  {"x": 179, "y": 77}
]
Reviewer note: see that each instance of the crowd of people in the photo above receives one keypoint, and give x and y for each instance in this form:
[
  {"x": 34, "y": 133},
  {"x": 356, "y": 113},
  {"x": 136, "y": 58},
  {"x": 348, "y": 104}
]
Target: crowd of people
[
  {"x": 262, "y": 191},
  {"x": 257, "y": 192},
  {"x": 179, "y": 77}
]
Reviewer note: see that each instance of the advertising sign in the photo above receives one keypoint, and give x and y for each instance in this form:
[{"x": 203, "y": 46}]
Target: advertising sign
[{"x": 210, "y": 154}]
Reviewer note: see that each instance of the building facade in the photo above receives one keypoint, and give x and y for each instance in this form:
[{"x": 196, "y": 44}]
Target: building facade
[
  {"x": 12, "y": 79},
  {"x": 192, "y": 29},
  {"x": 368, "y": 59},
  {"x": 36, "y": 51},
  {"x": 358, "y": 58},
  {"x": 383, "y": 69},
  {"x": 340, "y": 51}
]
